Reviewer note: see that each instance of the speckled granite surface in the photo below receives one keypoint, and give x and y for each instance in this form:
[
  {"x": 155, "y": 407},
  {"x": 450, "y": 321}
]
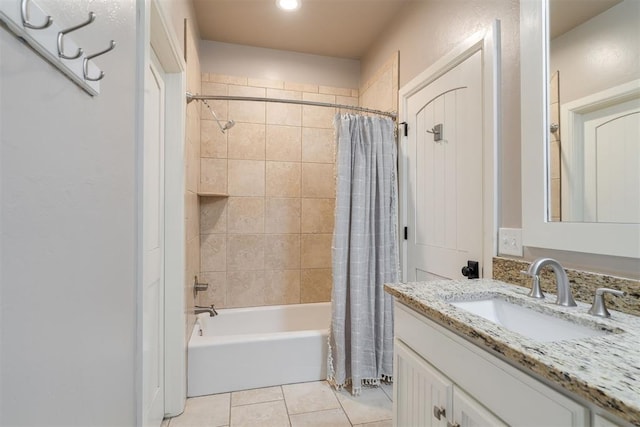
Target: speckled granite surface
[
  {"x": 583, "y": 283},
  {"x": 604, "y": 369}
]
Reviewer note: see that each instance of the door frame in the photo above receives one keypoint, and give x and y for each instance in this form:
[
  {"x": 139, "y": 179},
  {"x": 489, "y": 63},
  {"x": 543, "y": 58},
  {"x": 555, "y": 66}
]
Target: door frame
[
  {"x": 154, "y": 32},
  {"x": 488, "y": 42}
]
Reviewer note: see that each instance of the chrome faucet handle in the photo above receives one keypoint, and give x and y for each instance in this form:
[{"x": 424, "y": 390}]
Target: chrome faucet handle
[
  {"x": 599, "y": 307},
  {"x": 536, "y": 290},
  {"x": 199, "y": 287}
]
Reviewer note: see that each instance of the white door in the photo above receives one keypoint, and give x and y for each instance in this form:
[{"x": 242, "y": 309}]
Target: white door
[
  {"x": 153, "y": 248},
  {"x": 612, "y": 164},
  {"x": 444, "y": 174}
]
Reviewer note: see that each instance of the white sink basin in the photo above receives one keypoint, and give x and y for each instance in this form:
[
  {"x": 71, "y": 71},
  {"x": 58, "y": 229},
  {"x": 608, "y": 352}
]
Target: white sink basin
[{"x": 525, "y": 321}]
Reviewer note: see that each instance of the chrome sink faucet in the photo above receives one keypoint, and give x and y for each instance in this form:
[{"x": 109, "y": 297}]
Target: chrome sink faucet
[{"x": 564, "y": 291}]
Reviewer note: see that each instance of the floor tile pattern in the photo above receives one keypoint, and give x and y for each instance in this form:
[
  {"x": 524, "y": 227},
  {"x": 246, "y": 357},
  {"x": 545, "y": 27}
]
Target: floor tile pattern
[{"x": 313, "y": 404}]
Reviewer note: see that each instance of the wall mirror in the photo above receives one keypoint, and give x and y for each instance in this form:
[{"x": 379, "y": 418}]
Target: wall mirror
[
  {"x": 580, "y": 196},
  {"x": 594, "y": 111}
]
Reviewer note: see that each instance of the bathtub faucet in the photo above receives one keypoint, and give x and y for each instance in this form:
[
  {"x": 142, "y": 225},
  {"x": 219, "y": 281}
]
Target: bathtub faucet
[{"x": 211, "y": 310}]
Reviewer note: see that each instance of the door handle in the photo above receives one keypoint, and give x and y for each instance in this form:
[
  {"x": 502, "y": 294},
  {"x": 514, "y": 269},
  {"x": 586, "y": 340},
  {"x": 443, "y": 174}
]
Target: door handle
[{"x": 471, "y": 270}]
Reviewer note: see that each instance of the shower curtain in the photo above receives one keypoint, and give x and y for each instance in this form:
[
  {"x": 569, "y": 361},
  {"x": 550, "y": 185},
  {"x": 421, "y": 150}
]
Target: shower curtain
[{"x": 365, "y": 252}]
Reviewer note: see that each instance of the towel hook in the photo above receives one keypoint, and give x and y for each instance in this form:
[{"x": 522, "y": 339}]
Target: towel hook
[
  {"x": 92, "y": 17},
  {"x": 85, "y": 64},
  {"x": 24, "y": 13}
]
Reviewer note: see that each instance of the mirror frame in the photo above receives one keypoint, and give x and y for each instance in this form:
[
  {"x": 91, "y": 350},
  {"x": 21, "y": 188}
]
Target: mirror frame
[{"x": 621, "y": 240}]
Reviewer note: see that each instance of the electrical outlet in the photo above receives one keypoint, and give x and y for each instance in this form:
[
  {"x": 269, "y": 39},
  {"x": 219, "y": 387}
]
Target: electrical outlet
[{"x": 510, "y": 241}]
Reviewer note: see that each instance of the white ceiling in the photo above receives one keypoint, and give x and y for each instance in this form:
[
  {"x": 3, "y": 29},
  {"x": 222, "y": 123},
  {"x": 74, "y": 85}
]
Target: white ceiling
[{"x": 340, "y": 28}]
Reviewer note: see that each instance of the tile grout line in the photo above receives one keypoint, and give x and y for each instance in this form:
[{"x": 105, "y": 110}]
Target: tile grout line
[{"x": 335, "y": 393}]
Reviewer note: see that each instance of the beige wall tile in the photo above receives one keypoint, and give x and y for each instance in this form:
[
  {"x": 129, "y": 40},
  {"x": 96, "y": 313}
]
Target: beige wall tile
[
  {"x": 245, "y": 252},
  {"x": 282, "y": 215},
  {"x": 347, "y": 100},
  {"x": 245, "y": 215},
  {"x": 330, "y": 90},
  {"x": 318, "y": 117},
  {"x": 209, "y": 88},
  {"x": 192, "y": 215},
  {"x": 355, "y": 93},
  {"x": 245, "y": 288},
  {"x": 283, "y": 179},
  {"x": 317, "y": 215},
  {"x": 282, "y": 251},
  {"x": 283, "y": 143},
  {"x": 282, "y": 287},
  {"x": 213, "y": 252},
  {"x": 247, "y": 111},
  {"x": 221, "y": 108},
  {"x": 213, "y": 215},
  {"x": 316, "y": 251},
  {"x": 246, "y": 178},
  {"x": 232, "y": 80},
  {"x": 318, "y": 145},
  {"x": 275, "y": 84},
  {"x": 213, "y": 143},
  {"x": 318, "y": 180},
  {"x": 379, "y": 95},
  {"x": 302, "y": 87},
  {"x": 216, "y": 293},
  {"x": 315, "y": 285},
  {"x": 284, "y": 114},
  {"x": 247, "y": 141},
  {"x": 204, "y": 77},
  {"x": 213, "y": 175}
]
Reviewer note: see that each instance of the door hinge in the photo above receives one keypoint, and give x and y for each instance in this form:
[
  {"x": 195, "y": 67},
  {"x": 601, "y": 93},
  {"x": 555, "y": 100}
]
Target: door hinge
[
  {"x": 406, "y": 233},
  {"x": 406, "y": 128}
]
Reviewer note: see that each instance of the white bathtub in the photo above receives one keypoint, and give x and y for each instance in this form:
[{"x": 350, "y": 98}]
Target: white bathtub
[{"x": 244, "y": 348}]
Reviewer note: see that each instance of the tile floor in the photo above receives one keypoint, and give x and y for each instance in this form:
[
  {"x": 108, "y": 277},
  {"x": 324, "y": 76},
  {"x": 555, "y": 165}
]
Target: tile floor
[{"x": 297, "y": 405}]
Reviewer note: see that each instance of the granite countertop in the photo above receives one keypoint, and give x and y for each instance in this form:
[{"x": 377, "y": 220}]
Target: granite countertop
[{"x": 603, "y": 369}]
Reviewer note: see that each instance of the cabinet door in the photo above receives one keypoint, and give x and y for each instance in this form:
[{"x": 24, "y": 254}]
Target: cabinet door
[
  {"x": 421, "y": 394},
  {"x": 467, "y": 412}
]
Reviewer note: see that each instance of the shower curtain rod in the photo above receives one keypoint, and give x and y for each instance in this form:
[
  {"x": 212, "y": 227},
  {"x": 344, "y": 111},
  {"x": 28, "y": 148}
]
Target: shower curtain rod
[{"x": 192, "y": 97}]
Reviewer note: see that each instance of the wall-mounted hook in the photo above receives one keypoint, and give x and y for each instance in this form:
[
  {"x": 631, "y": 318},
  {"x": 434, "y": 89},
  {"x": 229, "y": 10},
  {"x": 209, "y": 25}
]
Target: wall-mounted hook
[
  {"x": 437, "y": 132},
  {"x": 24, "y": 12},
  {"x": 92, "y": 17},
  {"x": 85, "y": 64}
]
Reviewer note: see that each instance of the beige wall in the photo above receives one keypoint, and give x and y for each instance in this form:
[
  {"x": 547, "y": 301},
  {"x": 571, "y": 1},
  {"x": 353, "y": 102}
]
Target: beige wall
[
  {"x": 380, "y": 91},
  {"x": 424, "y": 31},
  {"x": 269, "y": 241},
  {"x": 272, "y": 64},
  {"x": 599, "y": 54}
]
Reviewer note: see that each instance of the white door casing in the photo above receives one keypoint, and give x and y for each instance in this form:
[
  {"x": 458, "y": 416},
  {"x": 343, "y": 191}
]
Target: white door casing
[
  {"x": 444, "y": 173},
  {"x": 155, "y": 35},
  {"x": 153, "y": 247}
]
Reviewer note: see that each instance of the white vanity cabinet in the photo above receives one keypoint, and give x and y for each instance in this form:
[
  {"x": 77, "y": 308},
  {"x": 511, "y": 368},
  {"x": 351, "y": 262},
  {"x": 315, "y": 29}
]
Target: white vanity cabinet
[
  {"x": 436, "y": 371},
  {"x": 425, "y": 397}
]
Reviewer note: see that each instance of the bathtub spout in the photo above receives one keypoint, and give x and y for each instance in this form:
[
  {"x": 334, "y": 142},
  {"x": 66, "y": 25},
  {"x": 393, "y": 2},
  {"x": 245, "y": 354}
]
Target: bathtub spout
[{"x": 211, "y": 310}]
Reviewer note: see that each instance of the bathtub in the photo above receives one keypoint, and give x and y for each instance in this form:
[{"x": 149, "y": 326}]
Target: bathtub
[{"x": 245, "y": 348}]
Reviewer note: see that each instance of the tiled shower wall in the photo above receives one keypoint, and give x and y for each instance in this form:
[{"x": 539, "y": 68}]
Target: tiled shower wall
[{"x": 268, "y": 241}]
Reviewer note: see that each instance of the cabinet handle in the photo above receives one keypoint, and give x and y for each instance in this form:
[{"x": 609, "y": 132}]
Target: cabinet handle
[
  {"x": 452, "y": 424},
  {"x": 438, "y": 412}
]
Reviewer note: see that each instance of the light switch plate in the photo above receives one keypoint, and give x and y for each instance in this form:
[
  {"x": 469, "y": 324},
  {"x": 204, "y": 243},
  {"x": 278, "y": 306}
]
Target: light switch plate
[{"x": 510, "y": 241}]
